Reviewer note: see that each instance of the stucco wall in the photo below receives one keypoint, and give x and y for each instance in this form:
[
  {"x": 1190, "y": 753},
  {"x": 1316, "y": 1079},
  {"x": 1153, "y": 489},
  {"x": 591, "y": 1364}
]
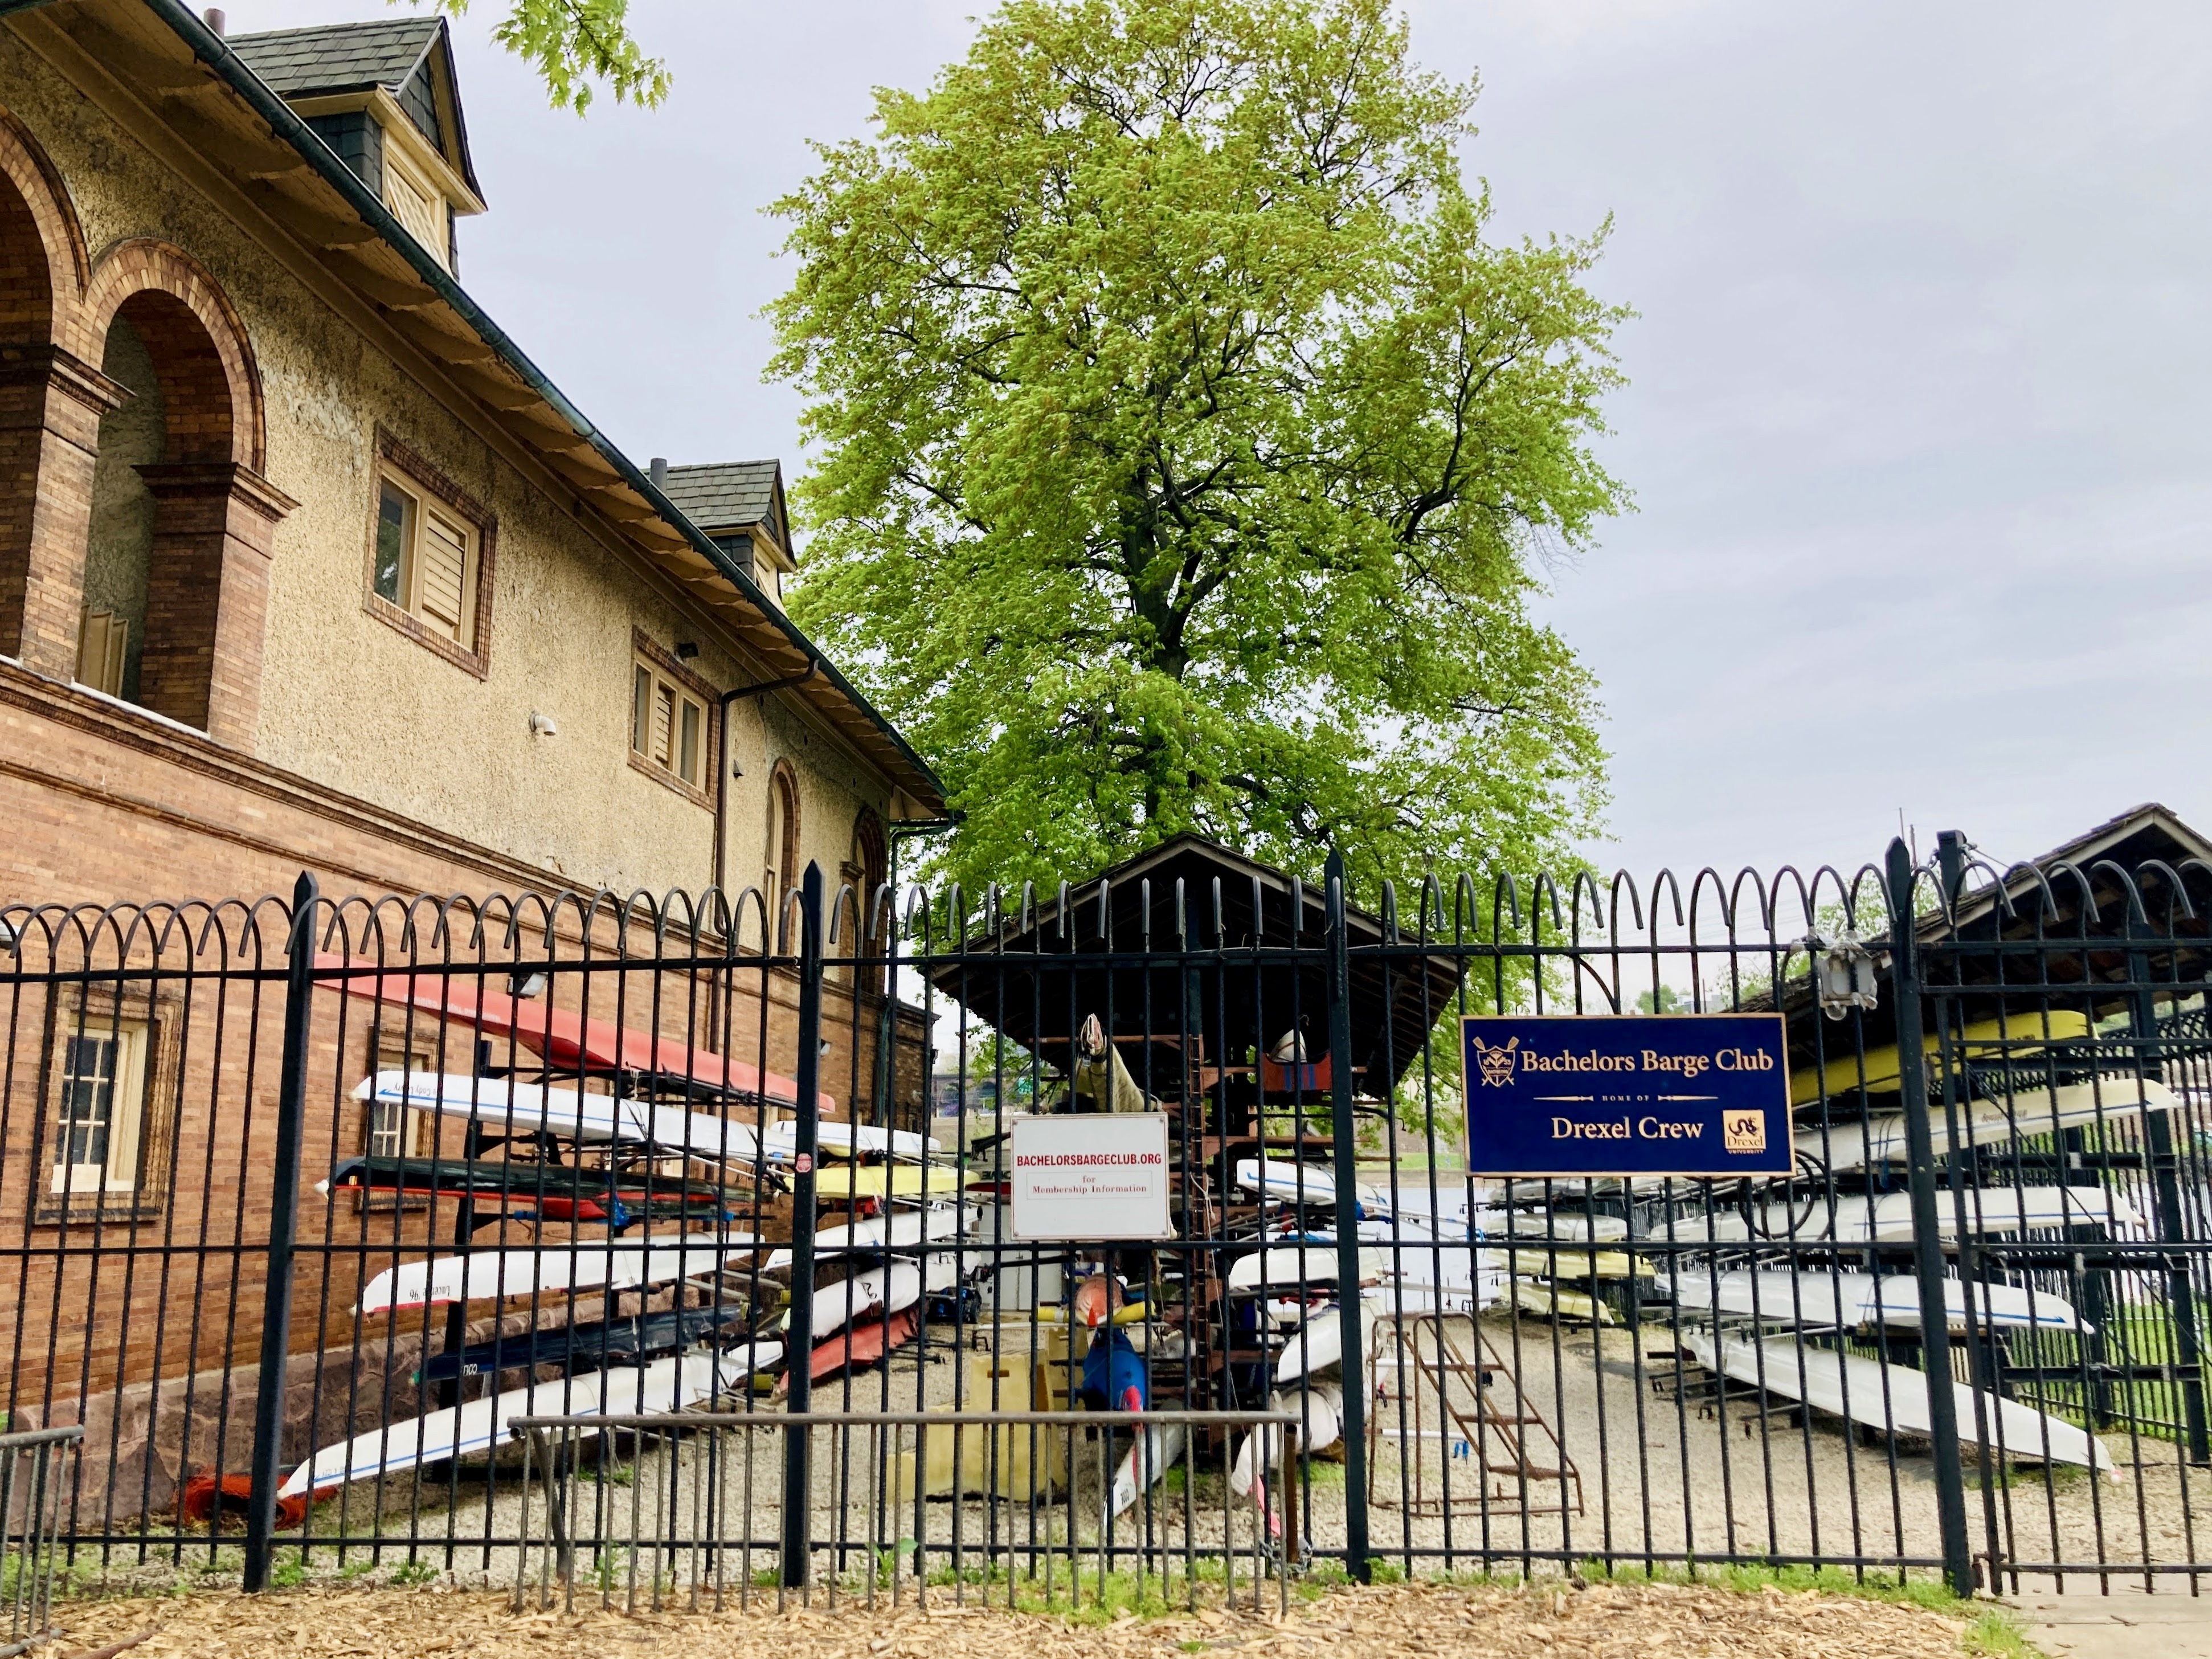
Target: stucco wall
[{"x": 350, "y": 702}]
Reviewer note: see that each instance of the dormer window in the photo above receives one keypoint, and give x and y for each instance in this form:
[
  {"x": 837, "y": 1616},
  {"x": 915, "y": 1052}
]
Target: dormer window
[
  {"x": 739, "y": 505},
  {"x": 382, "y": 96}
]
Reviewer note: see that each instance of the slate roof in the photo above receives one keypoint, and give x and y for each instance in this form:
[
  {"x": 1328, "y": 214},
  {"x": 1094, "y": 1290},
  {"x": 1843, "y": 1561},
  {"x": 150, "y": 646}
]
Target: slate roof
[
  {"x": 341, "y": 57},
  {"x": 726, "y": 496}
]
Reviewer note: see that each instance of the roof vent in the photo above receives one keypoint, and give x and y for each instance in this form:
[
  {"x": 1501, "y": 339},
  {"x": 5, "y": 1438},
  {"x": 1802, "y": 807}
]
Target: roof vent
[
  {"x": 216, "y": 21},
  {"x": 657, "y": 469}
]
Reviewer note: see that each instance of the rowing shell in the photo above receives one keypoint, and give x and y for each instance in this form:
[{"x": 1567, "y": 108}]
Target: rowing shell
[
  {"x": 1988, "y": 1122},
  {"x": 1162, "y": 1445},
  {"x": 1294, "y": 1267},
  {"x": 1844, "y": 1300},
  {"x": 508, "y": 1109},
  {"x": 1865, "y": 1217},
  {"x": 1894, "y": 1398},
  {"x": 588, "y": 1264},
  {"x": 480, "y": 1425},
  {"x": 849, "y": 1140}
]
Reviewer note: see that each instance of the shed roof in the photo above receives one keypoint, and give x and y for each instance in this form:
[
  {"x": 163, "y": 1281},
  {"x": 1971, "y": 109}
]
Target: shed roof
[{"x": 1109, "y": 946}]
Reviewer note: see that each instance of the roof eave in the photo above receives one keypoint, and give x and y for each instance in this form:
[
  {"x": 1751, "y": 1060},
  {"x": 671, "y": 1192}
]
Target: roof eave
[{"x": 209, "y": 48}]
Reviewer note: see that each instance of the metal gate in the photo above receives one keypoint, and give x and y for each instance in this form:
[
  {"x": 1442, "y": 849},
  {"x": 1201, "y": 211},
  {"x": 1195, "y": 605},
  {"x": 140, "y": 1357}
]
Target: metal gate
[{"x": 311, "y": 1208}]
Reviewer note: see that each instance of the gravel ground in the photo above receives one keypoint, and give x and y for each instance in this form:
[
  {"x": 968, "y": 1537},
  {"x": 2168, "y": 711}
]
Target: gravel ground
[{"x": 1604, "y": 1622}]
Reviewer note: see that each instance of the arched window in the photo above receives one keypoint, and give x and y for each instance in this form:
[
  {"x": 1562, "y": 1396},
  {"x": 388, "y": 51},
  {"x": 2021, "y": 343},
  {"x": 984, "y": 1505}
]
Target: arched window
[
  {"x": 182, "y": 523},
  {"x": 868, "y": 867},
  {"x": 782, "y": 843}
]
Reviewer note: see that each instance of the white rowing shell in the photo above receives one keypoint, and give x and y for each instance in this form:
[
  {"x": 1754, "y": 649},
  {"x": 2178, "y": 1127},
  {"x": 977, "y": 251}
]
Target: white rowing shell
[
  {"x": 900, "y": 1230},
  {"x": 1161, "y": 1444},
  {"x": 1990, "y": 1122},
  {"x": 1292, "y": 1267},
  {"x": 1864, "y": 1218},
  {"x": 1842, "y": 1300},
  {"x": 849, "y": 1139},
  {"x": 503, "y": 1107},
  {"x": 886, "y": 1290},
  {"x": 1894, "y": 1398},
  {"x": 1319, "y": 1344},
  {"x": 479, "y": 1425},
  {"x": 609, "y": 1264}
]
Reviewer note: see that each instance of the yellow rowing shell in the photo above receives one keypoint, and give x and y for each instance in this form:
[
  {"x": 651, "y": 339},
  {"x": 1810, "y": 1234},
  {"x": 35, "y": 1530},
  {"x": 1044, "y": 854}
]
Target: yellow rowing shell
[{"x": 835, "y": 1181}]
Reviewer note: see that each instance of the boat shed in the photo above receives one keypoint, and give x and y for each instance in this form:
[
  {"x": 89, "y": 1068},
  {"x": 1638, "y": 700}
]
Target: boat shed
[{"x": 1210, "y": 972}]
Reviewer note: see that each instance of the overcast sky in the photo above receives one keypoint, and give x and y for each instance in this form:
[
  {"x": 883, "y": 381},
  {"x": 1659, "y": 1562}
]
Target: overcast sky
[{"x": 1919, "y": 421}]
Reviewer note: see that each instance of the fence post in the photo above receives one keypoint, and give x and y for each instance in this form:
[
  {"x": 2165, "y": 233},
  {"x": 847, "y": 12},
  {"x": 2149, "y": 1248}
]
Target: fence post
[
  {"x": 1347, "y": 1231},
  {"x": 1927, "y": 1242},
  {"x": 799, "y": 1347},
  {"x": 283, "y": 1231},
  {"x": 2173, "y": 1219}
]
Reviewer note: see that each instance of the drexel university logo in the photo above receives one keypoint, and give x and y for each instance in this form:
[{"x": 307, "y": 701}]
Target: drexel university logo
[{"x": 1496, "y": 1063}]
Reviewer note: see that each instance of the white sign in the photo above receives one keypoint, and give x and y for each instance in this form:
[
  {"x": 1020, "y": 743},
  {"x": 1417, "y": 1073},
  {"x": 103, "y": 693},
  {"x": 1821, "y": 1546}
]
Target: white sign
[{"x": 1091, "y": 1175}]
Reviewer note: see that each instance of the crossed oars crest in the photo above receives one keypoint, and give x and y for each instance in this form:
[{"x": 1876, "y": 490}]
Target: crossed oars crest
[{"x": 1496, "y": 1063}]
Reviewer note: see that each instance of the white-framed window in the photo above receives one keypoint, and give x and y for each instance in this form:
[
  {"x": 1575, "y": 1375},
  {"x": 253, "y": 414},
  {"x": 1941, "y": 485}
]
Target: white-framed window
[
  {"x": 394, "y": 1130},
  {"x": 668, "y": 724},
  {"x": 99, "y": 1110},
  {"x": 427, "y": 558}
]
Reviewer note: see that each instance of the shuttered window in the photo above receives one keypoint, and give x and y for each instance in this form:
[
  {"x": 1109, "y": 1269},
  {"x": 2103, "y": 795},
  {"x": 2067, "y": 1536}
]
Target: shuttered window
[
  {"x": 415, "y": 204},
  {"x": 667, "y": 724},
  {"x": 426, "y": 560}
]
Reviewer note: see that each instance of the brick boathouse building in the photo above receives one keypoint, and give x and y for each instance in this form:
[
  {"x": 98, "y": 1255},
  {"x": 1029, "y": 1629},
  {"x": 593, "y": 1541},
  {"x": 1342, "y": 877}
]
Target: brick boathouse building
[{"x": 304, "y": 565}]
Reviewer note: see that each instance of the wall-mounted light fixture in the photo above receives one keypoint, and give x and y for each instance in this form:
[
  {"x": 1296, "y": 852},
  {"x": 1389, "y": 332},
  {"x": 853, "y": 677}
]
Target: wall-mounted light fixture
[
  {"x": 527, "y": 983},
  {"x": 687, "y": 650}
]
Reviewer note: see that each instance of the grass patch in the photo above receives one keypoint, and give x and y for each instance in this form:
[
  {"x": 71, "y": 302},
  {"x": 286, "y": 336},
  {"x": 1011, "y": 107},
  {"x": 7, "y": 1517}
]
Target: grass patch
[{"x": 1998, "y": 1633}]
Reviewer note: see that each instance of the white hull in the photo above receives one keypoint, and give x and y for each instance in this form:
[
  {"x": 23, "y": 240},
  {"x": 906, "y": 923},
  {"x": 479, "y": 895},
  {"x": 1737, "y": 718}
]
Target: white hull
[
  {"x": 1894, "y": 1398},
  {"x": 1323, "y": 1421},
  {"x": 878, "y": 1292},
  {"x": 1887, "y": 1217},
  {"x": 1842, "y": 1301},
  {"x": 504, "y": 1108},
  {"x": 1297, "y": 1267},
  {"x": 901, "y": 1230},
  {"x": 589, "y": 1264},
  {"x": 1319, "y": 1345},
  {"x": 480, "y": 1425},
  {"x": 848, "y": 1140},
  {"x": 1301, "y": 1183},
  {"x": 1989, "y": 1123},
  {"x": 1162, "y": 1445}
]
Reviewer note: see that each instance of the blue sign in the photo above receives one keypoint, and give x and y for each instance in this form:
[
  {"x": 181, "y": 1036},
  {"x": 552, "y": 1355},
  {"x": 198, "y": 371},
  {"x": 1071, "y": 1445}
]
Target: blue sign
[{"x": 1656, "y": 1095}]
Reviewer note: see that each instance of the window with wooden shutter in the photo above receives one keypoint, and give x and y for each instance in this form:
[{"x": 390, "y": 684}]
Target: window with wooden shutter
[
  {"x": 670, "y": 720},
  {"x": 103, "y": 642},
  {"x": 442, "y": 588},
  {"x": 426, "y": 562}
]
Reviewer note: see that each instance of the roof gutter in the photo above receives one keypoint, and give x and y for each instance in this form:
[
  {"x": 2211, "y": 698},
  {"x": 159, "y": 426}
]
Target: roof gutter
[{"x": 212, "y": 50}]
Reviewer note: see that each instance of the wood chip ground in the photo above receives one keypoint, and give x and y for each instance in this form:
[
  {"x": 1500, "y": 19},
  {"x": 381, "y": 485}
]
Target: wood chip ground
[{"x": 1602, "y": 1622}]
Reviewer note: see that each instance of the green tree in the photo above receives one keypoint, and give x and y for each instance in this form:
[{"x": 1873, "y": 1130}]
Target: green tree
[
  {"x": 1187, "y": 457},
  {"x": 575, "y": 44}
]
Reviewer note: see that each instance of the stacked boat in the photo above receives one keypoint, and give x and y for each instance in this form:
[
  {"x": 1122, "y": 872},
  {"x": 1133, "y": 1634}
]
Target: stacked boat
[{"x": 639, "y": 1290}]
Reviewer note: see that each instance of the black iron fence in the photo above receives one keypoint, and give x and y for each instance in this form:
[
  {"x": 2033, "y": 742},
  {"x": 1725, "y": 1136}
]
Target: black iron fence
[{"x": 311, "y": 1210}]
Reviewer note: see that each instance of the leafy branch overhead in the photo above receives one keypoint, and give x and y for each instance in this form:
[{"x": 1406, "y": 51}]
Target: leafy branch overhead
[
  {"x": 575, "y": 44},
  {"x": 1188, "y": 455}
]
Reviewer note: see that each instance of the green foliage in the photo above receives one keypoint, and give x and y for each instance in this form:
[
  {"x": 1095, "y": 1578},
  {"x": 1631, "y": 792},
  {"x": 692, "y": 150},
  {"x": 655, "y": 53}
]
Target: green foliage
[
  {"x": 289, "y": 1575},
  {"x": 1188, "y": 457},
  {"x": 414, "y": 1573},
  {"x": 573, "y": 44}
]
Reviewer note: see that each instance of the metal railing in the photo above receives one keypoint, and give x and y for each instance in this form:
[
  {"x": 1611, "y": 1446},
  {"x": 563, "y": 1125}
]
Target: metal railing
[
  {"x": 289, "y": 1302},
  {"x": 36, "y": 1466},
  {"x": 674, "y": 1520}
]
